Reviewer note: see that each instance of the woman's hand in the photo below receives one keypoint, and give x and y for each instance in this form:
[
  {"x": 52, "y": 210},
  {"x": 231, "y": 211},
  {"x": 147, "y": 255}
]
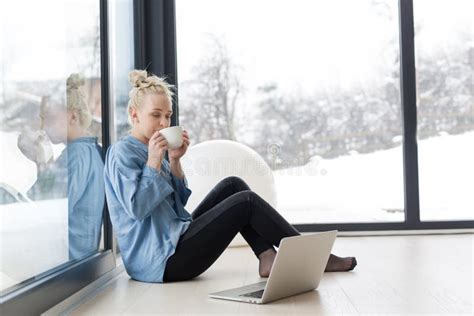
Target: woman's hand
[
  {"x": 36, "y": 146},
  {"x": 176, "y": 154},
  {"x": 157, "y": 146}
]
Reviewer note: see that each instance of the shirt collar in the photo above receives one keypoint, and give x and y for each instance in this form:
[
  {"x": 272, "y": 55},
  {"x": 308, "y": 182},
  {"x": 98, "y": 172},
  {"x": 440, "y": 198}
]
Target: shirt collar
[
  {"x": 85, "y": 139},
  {"x": 134, "y": 140}
]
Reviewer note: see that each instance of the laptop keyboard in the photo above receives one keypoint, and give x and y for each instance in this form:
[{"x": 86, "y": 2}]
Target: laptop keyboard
[{"x": 256, "y": 294}]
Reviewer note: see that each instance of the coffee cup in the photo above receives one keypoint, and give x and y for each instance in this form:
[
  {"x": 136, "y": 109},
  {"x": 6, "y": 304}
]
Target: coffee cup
[{"x": 173, "y": 135}]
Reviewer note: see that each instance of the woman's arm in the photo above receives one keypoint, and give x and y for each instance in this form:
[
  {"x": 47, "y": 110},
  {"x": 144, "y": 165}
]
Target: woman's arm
[
  {"x": 180, "y": 180},
  {"x": 139, "y": 190},
  {"x": 176, "y": 169}
]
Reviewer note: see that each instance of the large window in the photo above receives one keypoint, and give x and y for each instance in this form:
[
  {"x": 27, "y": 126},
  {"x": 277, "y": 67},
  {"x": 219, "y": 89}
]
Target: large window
[
  {"x": 445, "y": 102},
  {"x": 313, "y": 87},
  {"x": 51, "y": 171}
]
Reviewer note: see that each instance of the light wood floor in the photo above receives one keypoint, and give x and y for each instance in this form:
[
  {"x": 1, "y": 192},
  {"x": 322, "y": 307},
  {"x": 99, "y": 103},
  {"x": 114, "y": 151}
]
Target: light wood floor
[{"x": 431, "y": 274}]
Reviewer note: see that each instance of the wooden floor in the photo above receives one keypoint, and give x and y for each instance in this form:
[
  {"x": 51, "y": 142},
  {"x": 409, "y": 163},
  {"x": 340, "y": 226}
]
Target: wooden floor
[{"x": 431, "y": 274}]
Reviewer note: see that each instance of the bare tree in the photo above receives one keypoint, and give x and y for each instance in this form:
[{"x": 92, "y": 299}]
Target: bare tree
[{"x": 209, "y": 99}]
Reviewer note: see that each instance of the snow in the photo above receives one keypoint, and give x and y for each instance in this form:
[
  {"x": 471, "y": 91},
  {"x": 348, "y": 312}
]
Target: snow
[
  {"x": 34, "y": 239},
  {"x": 369, "y": 187}
]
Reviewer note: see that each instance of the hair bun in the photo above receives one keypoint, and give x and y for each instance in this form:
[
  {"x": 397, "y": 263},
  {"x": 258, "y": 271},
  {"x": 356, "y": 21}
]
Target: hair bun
[
  {"x": 137, "y": 77},
  {"x": 74, "y": 81}
]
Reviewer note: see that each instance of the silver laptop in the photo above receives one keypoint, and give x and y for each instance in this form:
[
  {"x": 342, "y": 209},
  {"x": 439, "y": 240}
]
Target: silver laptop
[{"x": 298, "y": 268}]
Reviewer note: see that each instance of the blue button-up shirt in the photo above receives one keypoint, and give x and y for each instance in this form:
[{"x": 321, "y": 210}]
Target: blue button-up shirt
[{"x": 146, "y": 208}]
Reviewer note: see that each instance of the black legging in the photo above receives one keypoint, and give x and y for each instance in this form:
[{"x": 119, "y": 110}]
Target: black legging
[{"x": 231, "y": 207}]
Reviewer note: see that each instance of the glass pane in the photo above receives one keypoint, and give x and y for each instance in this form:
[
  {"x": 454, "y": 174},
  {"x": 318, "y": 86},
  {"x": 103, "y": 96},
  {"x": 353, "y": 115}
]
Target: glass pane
[
  {"x": 444, "y": 42},
  {"x": 51, "y": 177},
  {"x": 312, "y": 87},
  {"x": 121, "y": 62}
]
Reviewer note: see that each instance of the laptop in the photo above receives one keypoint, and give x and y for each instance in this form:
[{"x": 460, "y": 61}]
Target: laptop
[{"x": 298, "y": 268}]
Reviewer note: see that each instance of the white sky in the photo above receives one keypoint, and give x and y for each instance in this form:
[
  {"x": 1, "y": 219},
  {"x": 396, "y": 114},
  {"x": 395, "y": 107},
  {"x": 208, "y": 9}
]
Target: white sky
[
  {"x": 309, "y": 42},
  {"x": 39, "y": 39}
]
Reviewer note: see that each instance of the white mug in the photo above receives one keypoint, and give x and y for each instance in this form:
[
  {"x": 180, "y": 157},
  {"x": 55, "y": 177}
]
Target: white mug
[{"x": 173, "y": 135}]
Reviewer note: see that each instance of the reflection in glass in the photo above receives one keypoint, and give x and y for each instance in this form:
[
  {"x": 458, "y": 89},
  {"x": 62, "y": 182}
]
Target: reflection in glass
[
  {"x": 51, "y": 191},
  {"x": 78, "y": 171}
]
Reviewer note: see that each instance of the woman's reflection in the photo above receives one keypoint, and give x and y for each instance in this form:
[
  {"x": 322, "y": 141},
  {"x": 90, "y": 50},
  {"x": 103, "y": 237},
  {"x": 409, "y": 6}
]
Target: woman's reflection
[{"x": 77, "y": 173}]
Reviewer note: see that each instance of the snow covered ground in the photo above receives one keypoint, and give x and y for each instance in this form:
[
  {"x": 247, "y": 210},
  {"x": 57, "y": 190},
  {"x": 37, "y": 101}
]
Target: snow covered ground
[{"x": 369, "y": 187}]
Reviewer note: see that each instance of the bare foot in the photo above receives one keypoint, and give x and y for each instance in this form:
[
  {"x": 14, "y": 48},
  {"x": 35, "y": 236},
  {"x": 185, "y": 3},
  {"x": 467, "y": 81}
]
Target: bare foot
[
  {"x": 336, "y": 263},
  {"x": 266, "y": 261}
]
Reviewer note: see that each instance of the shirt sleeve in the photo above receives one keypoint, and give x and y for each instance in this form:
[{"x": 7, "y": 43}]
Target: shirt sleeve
[
  {"x": 139, "y": 190},
  {"x": 77, "y": 182},
  {"x": 182, "y": 188},
  {"x": 85, "y": 183},
  {"x": 85, "y": 199}
]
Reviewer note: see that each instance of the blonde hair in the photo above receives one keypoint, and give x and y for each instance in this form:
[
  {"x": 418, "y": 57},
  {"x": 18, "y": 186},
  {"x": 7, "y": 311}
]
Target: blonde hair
[
  {"x": 76, "y": 100},
  {"x": 143, "y": 84}
]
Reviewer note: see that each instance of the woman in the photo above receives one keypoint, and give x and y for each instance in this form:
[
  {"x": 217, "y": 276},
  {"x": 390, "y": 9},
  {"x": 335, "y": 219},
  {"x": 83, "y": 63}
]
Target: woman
[
  {"x": 159, "y": 240},
  {"x": 77, "y": 174}
]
